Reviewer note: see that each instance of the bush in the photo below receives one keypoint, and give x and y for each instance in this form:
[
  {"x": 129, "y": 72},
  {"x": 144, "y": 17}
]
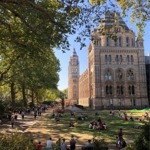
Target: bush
[
  {"x": 99, "y": 144},
  {"x": 142, "y": 142},
  {"x": 15, "y": 141}
]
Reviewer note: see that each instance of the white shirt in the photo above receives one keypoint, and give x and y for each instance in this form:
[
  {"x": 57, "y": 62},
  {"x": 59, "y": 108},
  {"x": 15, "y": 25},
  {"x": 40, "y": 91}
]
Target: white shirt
[{"x": 49, "y": 144}]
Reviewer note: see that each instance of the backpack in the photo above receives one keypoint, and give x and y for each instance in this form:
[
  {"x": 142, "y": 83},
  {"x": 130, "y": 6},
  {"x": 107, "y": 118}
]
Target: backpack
[{"x": 72, "y": 142}]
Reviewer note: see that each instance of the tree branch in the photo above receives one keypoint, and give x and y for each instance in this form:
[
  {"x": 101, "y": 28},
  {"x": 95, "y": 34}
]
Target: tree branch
[{"x": 16, "y": 14}]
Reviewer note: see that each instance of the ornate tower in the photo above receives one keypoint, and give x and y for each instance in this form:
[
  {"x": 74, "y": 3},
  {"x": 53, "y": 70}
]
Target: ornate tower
[{"x": 73, "y": 79}]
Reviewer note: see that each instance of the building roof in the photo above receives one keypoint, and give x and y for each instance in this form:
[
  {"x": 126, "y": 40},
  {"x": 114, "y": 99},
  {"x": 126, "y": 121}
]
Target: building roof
[{"x": 112, "y": 18}]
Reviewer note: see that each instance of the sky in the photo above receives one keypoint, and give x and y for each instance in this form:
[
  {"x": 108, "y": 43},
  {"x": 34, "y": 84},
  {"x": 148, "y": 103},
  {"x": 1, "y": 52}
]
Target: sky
[{"x": 83, "y": 57}]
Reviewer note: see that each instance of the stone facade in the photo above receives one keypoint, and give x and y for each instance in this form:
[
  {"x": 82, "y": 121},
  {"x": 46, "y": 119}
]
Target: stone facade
[{"x": 116, "y": 75}]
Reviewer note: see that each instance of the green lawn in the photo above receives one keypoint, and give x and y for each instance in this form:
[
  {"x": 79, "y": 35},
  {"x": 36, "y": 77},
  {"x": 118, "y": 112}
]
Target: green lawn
[{"x": 113, "y": 125}]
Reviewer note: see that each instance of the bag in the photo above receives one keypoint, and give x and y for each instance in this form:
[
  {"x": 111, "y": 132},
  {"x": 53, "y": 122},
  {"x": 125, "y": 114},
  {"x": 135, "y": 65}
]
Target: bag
[{"x": 72, "y": 142}]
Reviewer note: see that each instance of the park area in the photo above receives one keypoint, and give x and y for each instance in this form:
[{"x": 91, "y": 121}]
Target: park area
[{"x": 55, "y": 123}]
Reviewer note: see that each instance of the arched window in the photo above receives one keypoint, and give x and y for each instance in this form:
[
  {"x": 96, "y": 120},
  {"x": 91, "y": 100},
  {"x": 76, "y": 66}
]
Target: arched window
[
  {"x": 128, "y": 59},
  {"x": 121, "y": 59},
  {"x": 130, "y": 75},
  {"x": 131, "y": 90},
  {"x": 127, "y": 41},
  {"x": 120, "y": 90},
  {"x": 109, "y": 59},
  {"x": 106, "y": 59},
  {"x": 107, "y": 41},
  {"x": 133, "y": 43},
  {"x": 117, "y": 59},
  {"x": 132, "y": 60},
  {"x": 116, "y": 42},
  {"x": 100, "y": 42},
  {"x": 120, "y": 41},
  {"x": 109, "y": 90},
  {"x": 108, "y": 75}
]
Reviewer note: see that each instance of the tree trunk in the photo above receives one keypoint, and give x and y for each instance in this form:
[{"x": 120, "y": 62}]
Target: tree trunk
[
  {"x": 24, "y": 96},
  {"x": 63, "y": 103},
  {"x": 13, "y": 96},
  {"x": 32, "y": 97}
]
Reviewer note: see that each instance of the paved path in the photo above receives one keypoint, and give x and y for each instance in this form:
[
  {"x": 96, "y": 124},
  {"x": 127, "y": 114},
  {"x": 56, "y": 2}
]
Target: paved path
[{"x": 21, "y": 125}]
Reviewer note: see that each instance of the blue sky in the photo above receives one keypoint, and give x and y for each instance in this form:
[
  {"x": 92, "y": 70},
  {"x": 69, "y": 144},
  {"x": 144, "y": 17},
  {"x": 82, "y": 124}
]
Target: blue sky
[{"x": 82, "y": 54}]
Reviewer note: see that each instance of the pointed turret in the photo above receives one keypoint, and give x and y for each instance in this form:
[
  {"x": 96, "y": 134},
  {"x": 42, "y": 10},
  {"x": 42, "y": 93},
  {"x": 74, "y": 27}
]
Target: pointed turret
[{"x": 139, "y": 42}]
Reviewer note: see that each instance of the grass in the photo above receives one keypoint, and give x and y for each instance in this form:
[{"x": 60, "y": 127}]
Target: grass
[{"x": 82, "y": 131}]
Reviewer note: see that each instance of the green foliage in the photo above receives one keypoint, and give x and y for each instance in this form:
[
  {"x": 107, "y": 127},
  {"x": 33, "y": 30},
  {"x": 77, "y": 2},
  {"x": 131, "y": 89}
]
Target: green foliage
[
  {"x": 15, "y": 141},
  {"x": 142, "y": 142},
  {"x": 99, "y": 144}
]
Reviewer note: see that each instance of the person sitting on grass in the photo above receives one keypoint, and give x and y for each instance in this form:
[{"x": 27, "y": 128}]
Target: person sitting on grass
[
  {"x": 131, "y": 118},
  {"x": 104, "y": 125},
  {"x": 71, "y": 124},
  {"x": 99, "y": 120},
  {"x": 90, "y": 126}
]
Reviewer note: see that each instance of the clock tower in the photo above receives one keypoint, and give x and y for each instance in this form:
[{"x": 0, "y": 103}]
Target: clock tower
[{"x": 73, "y": 79}]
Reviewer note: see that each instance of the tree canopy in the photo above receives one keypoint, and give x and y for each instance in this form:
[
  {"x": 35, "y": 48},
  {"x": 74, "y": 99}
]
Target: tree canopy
[
  {"x": 40, "y": 23},
  {"x": 31, "y": 29}
]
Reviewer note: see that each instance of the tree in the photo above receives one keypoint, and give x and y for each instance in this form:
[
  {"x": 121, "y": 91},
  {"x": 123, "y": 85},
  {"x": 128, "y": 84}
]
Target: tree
[
  {"x": 31, "y": 73},
  {"x": 31, "y": 29},
  {"x": 48, "y": 23}
]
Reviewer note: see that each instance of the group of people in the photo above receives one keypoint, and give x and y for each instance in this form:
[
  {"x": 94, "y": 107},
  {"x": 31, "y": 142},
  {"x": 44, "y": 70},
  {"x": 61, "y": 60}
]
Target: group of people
[
  {"x": 37, "y": 111},
  {"x": 98, "y": 124},
  {"x": 59, "y": 145}
]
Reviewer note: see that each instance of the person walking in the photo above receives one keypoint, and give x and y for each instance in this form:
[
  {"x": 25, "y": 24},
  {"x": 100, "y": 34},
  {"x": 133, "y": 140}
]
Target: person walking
[
  {"x": 72, "y": 143},
  {"x": 49, "y": 144},
  {"x": 63, "y": 145},
  {"x": 39, "y": 146},
  {"x": 58, "y": 144},
  {"x": 22, "y": 115},
  {"x": 12, "y": 121}
]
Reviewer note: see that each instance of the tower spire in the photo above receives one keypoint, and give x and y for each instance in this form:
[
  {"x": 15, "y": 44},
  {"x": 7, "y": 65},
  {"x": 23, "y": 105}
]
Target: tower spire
[{"x": 74, "y": 52}]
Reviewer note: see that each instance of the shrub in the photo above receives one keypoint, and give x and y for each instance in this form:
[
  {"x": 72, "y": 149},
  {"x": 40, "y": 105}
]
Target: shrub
[
  {"x": 99, "y": 144},
  {"x": 15, "y": 141},
  {"x": 142, "y": 142}
]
